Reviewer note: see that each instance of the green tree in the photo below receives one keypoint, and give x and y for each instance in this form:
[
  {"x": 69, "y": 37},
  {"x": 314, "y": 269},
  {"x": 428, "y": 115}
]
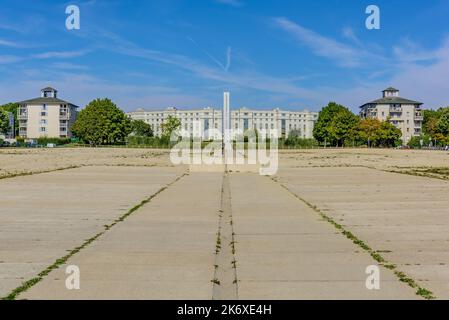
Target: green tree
[
  {"x": 4, "y": 122},
  {"x": 169, "y": 126},
  {"x": 102, "y": 122},
  {"x": 442, "y": 125},
  {"x": 389, "y": 135},
  {"x": 430, "y": 122},
  {"x": 415, "y": 142},
  {"x": 141, "y": 129},
  {"x": 369, "y": 130},
  {"x": 322, "y": 129},
  {"x": 294, "y": 134},
  {"x": 342, "y": 127},
  {"x": 13, "y": 108}
]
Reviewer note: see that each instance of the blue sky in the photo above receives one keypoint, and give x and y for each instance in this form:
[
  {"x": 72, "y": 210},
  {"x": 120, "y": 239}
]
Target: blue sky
[{"x": 289, "y": 54}]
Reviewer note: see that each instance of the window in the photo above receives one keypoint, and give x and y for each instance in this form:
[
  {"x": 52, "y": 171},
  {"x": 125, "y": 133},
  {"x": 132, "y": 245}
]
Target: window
[
  {"x": 43, "y": 121},
  {"x": 43, "y": 129},
  {"x": 44, "y": 107},
  {"x": 43, "y": 114}
]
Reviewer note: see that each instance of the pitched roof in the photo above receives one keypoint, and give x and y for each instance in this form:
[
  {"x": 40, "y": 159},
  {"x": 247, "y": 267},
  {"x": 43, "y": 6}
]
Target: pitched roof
[
  {"x": 49, "y": 89},
  {"x": 392, "y": 100},
  {"x": 46, "y": 100},
  {"x": 391, "y": 89}
]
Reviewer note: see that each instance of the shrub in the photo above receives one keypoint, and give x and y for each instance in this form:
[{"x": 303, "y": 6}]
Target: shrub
[{"x": 57, "y": 141}]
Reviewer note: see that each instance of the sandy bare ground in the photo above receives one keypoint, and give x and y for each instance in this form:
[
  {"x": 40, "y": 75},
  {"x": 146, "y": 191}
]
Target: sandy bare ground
[
  {"x": 373, "y": 158},
  {"x": 23, "y": 161},
  {"x": 20, "y": 161}
]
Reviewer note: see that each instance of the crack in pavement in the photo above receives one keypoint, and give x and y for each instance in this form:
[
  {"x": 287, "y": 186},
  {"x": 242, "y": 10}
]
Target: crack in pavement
[
  {"x": 225, "y": 280},
  {"x": 60, "y": 261}
]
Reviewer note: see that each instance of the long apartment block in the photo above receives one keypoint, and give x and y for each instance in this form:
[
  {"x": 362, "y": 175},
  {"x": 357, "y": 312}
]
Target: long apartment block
[{"x": 201, "y": 120}]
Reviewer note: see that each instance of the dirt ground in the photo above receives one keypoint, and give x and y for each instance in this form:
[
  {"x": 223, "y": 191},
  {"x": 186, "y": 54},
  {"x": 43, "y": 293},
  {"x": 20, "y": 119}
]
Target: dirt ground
[{"x": 24, "y": 161}]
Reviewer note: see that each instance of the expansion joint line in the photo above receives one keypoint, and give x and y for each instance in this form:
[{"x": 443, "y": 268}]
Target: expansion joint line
[
  {"x": 420, "y": 291},
  {"x": 59, "y": 262},
  {"x": 225, "y": 286}
]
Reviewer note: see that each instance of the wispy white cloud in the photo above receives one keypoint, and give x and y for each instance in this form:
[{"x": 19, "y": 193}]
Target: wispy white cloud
[
  {"x": 7, "y": 59},
  {"x": 60, "y": 54},
  {"x": 253, "y": 80},
  {"x": 69, "y": 66},
  {"x": 349, "y": 34},
  {"x": 408, "y": 51},
  {"x": 221, "y": 65},
  {"x": 343, "y": 54},
  {"x": 417, "y": 81},
  {"x": 11, "y": 44},
  {"x": 233, "y": 3},
  {"x": 80, "y": 89},
  {"x": 228, "y": 58}
]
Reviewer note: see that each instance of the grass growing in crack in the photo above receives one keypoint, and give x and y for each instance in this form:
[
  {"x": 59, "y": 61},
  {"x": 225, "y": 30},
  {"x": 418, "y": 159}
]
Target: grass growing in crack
[
  {"x": 218, "y": 243},
  {"x": 435, "y": 173},
  {"x": 423, "y": 292},
  {"x": 22, "y": 174},
  {"x": 215, "y": 281},
  {"x": 390, "y": 266},
  {"x": 60, "y": 261}
]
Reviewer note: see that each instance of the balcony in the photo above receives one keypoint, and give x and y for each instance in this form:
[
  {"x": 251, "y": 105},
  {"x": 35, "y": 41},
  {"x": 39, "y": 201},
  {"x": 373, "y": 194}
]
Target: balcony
[
  {"x": 22, "y": 116},
  {"x": 395, "y": 109},
  {"x": 64, "y": 116}
]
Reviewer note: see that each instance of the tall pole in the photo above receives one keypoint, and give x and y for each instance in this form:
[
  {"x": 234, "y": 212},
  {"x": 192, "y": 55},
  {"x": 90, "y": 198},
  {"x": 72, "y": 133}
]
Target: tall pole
[{"x": 226, "y": 128}]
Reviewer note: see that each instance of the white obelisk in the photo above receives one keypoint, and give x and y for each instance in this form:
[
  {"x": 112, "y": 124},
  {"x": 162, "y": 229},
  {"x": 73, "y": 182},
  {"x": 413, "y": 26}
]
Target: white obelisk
[{"x": 226, "y": 128}]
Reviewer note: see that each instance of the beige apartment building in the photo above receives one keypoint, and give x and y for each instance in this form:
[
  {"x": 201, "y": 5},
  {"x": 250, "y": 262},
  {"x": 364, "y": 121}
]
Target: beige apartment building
[
  {"x": 405, "y": 114},
  {"x": 198, "y": 122},
  {"x": 46, "y": 116}
]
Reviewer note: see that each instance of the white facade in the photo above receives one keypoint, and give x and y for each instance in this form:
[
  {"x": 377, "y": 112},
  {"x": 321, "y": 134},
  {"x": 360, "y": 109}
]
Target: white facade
[
  {"x": 46, "y": 116},
  {"x": 405, "y": 114},
  {"x": 198, "y": 121}
]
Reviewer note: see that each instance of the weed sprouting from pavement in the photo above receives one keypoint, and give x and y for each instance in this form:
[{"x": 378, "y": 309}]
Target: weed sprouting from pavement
[
  {"x": 33, "y": 281},
  {"x": 423, "y": 292}
]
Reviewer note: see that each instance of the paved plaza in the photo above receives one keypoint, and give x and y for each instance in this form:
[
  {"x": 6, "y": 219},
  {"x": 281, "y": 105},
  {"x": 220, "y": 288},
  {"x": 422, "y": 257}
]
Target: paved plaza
[{"x": 155, "y": 231}]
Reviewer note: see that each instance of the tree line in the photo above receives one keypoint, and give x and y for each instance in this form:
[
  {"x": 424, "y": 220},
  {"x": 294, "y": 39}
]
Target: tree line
[
  {"x": 435, "y": 129},
  {"x": 337, "y": 126},
  {"x": 101, "y": 122}
]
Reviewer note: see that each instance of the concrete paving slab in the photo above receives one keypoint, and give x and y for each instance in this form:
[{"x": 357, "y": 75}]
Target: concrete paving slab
[
  {"x": 315, "y": 262},
  {"x": 43, "y": 216},
  {"x": 320, "y": 290},
  {"x": 164, "y": 250},
  {"x": 407, "y": 216}
]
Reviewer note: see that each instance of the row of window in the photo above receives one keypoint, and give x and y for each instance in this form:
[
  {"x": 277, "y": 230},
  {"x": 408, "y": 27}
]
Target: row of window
[
  {"x": 44, "y": 129},
  {"x": 162, "y": 117}
]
